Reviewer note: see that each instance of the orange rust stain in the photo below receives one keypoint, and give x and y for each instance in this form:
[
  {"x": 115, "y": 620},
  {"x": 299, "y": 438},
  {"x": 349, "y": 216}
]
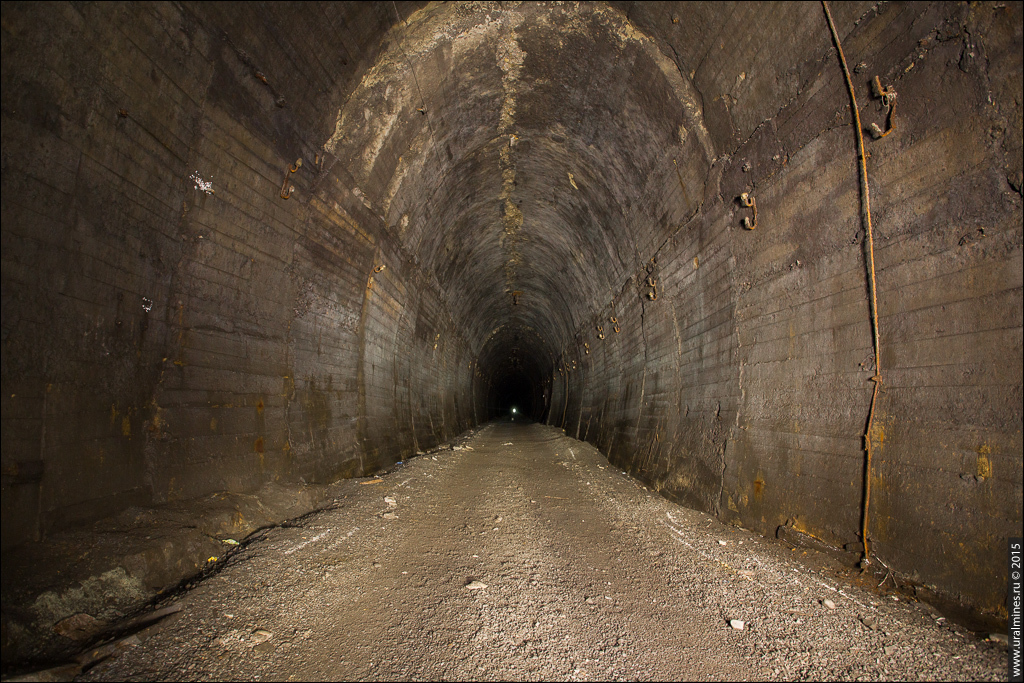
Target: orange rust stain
[
  {"x": 758, "y": 487},
  {"x": 157, "y": 422},
  {"x": 258, "y": 445},
  {"x": 878, "y": 434},
  {"x": 259, "y": 406},
  {"x": 984, "y": 463}
]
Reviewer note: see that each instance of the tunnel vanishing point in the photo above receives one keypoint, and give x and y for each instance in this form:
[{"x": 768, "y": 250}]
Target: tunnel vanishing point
[{"x": 294, "y": 242}]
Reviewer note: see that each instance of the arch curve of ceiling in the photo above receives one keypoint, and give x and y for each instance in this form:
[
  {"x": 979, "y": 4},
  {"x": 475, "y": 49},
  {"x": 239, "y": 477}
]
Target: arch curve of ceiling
[{"x": 532, "y": 157}]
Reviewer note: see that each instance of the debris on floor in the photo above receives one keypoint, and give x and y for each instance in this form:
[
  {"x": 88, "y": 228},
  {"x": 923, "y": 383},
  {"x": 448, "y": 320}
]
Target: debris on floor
[{"x": 598, "y": 582}]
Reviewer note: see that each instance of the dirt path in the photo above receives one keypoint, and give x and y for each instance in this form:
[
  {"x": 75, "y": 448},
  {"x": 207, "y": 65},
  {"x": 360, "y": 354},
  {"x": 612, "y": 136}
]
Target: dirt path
[{"x": 526, "y": 556}]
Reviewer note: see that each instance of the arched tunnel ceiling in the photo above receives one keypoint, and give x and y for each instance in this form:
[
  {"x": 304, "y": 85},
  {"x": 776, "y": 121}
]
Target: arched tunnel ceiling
[{"x": 515, "y": 152}]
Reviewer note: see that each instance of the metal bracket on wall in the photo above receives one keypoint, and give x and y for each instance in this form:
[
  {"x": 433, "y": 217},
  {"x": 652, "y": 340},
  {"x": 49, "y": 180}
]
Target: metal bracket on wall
[
  {"x": 653, "y": 284},
  {"x": 600, "y": 332},
  {"x": 286, "y": 187},
  {"x": 888, "y": 97},
  {"x": 747, "y": 200}
]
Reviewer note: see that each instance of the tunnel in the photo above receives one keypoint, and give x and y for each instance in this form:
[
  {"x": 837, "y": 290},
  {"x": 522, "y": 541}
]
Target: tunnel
[{"x": 765, "y": 257}]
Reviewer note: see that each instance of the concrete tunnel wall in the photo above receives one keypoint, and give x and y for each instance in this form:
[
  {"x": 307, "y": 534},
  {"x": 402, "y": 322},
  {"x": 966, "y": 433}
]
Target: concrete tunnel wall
[{"x": 483, "y": 188}]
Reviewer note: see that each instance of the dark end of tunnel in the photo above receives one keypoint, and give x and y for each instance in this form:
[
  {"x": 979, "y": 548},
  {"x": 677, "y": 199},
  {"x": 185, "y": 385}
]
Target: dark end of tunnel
[
  {"x": 517, "y": 397},
  {"x": 516, "y": 367}
]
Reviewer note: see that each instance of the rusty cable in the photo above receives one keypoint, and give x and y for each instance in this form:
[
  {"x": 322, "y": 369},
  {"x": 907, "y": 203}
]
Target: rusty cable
[{"x": 877, "y": 378}]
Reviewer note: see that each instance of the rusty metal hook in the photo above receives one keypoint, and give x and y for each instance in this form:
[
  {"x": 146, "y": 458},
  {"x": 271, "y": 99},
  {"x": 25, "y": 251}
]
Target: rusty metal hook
[
  {"x": 286, "y": 188},
  {"x": 653, "y": 284},
  {"x": 888, "y": 97},
  {"x": 747, "y": 199},
  {"x": 379, "y": 268}
]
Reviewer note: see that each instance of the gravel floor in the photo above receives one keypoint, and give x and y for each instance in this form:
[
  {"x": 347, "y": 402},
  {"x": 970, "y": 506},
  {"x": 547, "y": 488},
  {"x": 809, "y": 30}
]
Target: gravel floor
[{"x": 524, "y": 555}]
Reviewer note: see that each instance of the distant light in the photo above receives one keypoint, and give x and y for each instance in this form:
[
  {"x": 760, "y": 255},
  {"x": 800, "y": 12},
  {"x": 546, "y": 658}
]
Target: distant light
[{"x": 513, "y": 411}]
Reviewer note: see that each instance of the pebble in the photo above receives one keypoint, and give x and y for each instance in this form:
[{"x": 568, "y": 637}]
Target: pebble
[
  {"x": 476, "y": 585},
  {"x": 721, "y": 542},
  {"x": 998, "y": 638},
  {"x": 737, "y": 624},
  {"x": 828, "y": 603},
  {"x": 261, "y": 636}
]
